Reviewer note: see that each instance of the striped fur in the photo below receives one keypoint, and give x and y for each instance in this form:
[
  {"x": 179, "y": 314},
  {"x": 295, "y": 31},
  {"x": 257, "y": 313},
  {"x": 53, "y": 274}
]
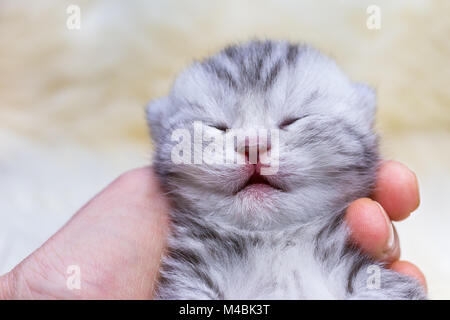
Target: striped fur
[{"x": 293, "y": 244}]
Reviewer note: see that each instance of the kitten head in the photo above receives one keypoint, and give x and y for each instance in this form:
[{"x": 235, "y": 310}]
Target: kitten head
[{"x": 264, "y": 106}]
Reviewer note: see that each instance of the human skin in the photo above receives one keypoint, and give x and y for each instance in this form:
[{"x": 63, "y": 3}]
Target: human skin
[{"x": 117, "y": 239}]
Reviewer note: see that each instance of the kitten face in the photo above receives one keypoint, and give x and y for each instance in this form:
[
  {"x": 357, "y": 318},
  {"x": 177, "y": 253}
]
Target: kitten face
[{"x": 319, "y": 128}]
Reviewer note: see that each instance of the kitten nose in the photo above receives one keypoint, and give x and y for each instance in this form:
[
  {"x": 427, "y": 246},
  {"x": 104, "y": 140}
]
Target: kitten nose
[{"x": 253, "y": 149}]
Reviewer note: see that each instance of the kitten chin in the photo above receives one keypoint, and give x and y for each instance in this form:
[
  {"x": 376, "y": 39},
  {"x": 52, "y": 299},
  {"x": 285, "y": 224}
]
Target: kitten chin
[{"x": 240, "y": 233}]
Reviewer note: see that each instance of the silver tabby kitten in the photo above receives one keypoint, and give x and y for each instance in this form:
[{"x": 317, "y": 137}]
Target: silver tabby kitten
[{"x": 240, "y": 234}]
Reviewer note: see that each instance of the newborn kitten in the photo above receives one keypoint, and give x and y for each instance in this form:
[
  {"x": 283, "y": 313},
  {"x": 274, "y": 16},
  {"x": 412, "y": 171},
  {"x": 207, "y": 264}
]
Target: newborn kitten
[{"x": 238, "y": 233}]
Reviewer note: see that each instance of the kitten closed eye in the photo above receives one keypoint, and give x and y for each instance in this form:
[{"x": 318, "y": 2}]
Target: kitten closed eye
[
  {"x": 220, "y": 126},
  {"x": 287, "y": 122}
]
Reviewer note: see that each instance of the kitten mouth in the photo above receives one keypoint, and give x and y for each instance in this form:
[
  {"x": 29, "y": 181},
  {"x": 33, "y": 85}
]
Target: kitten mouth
[{"x": 258, "y": 181}]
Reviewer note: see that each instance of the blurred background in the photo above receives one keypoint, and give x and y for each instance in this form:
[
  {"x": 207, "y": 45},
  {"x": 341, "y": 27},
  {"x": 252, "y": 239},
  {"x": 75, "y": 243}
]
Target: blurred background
[{"x": 72, "y": 100}]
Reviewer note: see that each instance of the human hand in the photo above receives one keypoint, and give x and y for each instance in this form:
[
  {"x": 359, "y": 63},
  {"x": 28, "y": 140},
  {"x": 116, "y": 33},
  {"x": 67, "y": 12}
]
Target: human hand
[
  {"x": 396, "y": 196},
  {"x": 118, "y": 238}
]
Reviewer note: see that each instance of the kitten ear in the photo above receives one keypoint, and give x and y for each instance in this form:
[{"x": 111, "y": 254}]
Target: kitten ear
[
  {"x": 156, "y": 111},
  {"x": 365, "y": 102}
]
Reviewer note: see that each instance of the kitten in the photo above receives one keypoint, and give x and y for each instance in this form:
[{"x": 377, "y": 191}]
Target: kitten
[{"x": 240, "y": 234}]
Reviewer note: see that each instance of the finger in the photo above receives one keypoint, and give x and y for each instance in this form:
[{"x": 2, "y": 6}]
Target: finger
[
  {"x": 397, "y": 190},
  {"x": 411, "y": 270},
  {"x": 372, "y": 230},
  {"x": 133, "y": 209}
]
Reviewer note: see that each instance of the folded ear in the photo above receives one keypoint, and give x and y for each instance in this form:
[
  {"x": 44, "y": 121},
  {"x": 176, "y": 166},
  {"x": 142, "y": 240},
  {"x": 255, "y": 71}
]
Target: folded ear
[
  {"x": 156, "y": 111},
  {"x": 365, "y": 103}
]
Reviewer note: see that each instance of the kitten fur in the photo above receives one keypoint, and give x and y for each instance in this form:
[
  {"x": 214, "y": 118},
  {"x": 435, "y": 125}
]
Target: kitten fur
[{"x": 292, "y": 242}]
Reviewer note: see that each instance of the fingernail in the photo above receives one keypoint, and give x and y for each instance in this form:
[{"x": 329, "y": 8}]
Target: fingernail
[
  {"x": 391, "y": 238},
  {"x": 417, "y": 188}
]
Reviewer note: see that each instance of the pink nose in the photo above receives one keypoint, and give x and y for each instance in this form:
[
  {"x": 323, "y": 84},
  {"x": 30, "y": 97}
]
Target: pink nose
[{"x": 252, "y": 149}]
